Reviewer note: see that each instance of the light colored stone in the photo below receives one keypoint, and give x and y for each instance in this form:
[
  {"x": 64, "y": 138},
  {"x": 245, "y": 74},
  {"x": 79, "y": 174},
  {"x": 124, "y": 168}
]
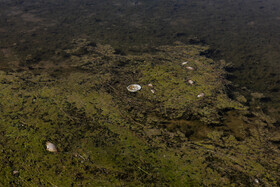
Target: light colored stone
[
  {"x": 51, "y": 147},
  {"x": 134, "y": 88}
]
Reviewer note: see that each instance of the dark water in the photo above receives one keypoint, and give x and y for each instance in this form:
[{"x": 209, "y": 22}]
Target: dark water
[{"x": 244, "y": 33}]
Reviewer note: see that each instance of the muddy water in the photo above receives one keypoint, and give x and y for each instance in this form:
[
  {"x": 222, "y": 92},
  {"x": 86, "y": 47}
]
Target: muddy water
[{"x": 244, "y": 33}]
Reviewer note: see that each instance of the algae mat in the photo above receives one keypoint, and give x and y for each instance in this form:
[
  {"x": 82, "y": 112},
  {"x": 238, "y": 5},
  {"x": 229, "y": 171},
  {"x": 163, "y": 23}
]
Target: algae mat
[{"x": 161, "y": 135}]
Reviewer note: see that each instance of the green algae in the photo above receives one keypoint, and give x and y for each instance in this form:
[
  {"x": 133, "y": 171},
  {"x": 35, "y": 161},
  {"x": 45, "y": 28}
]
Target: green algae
[
  {"x": 33, "y": 30},
  {"x": 106, "y": 135}
]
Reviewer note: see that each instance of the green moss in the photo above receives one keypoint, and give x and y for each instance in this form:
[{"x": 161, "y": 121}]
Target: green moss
[{"x": 103, "y": 133}]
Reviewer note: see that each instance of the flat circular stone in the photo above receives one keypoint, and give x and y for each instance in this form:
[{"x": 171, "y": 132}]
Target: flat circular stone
[{"x": 134, "y": 87}]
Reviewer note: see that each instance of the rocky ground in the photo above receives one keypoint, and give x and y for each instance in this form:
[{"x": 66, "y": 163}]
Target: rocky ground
[{"x": 163, "y": 134}]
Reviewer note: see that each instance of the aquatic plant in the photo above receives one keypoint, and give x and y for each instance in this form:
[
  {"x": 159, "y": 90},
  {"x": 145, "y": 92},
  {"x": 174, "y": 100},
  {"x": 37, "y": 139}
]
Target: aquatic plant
[{"x": 106, "y": 135}]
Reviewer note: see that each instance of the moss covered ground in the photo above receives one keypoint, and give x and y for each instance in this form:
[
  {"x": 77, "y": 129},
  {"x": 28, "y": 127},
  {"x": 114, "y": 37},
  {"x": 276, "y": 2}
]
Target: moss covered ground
[{"x": 108, "y": 136}]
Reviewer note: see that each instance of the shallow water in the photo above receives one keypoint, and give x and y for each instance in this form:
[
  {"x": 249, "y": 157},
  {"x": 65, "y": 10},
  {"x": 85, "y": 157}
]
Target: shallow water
[{"x": 244, "y": 33}]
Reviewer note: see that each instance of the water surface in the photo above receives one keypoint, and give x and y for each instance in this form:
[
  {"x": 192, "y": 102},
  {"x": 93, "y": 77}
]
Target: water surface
[{"x": 33, "y": 33}]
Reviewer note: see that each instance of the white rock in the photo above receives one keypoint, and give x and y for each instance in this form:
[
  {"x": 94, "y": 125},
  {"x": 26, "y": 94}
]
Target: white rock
[
  {"x": 201, "y": 95},
  {"x": 191, "y": 82},
  {"x": 51, "y": 147},
  {"x": 257, "y": 181},
  {"x": 134, "y": 87},
  {"x": 190, "y": 68}
]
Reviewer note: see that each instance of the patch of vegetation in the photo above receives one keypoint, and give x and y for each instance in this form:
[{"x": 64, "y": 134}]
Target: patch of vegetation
[{"x": 106, "y": 135}]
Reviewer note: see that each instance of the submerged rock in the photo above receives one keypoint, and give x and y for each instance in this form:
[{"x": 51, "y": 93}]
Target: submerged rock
[
  {"x": 191, "y": 82},
  {"x": 201, "y": 95},
  {"x": 190, "y": 68},
  {"x": 184, "y": 63},
  {"x": 134, "y": 87},
  {"x": 51, "y": 147}
]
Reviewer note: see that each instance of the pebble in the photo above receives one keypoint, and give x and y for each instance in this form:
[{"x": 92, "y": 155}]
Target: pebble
[
  {"x": 150, "y": 85},
  {"x": 51, "y": 147},
  {"x": 190, "y": 68},
  {"x": 191, "y": 82},
  {"x": 257, "y": 181},
  {"x": 201, "y": 95},
  {"x": 134, "y": 88}
]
